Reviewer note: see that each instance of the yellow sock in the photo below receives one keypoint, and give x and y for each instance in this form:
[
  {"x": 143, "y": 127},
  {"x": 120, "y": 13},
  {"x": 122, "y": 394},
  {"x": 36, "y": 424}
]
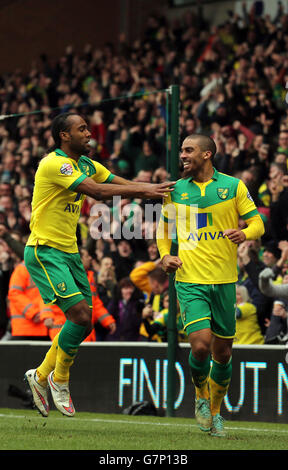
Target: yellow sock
[
  {"x": 202, "y": 391},
  {"x": 49, "y": 363},
  {"x": 217, "y": 394},
  {"x": 62, "y": 368}
]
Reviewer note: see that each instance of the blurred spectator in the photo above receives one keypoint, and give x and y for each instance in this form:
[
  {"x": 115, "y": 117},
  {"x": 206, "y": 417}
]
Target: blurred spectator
[
  {"x": 126, "y": 307},
  {"x": 123, "y": 259},
  {"x": 11, "y": 253},
  {"x": 277, "y": 325},
  {"x": 153, "y": 282},
  {"x": 247, "y": 326},
  {"x": 106, "y": 284},
  {"x": 232, "y": 79},
  {"x": 156, "y": 323},
  {"x": 250, "y": 266},
  {"x": 25, "y": 304},
  {"x": 101, "y": 319}
]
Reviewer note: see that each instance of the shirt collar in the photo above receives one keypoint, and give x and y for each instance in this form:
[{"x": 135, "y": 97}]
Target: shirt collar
[
  {"x": 214, "y": 177},
  {"x": 60, "y": 152}
]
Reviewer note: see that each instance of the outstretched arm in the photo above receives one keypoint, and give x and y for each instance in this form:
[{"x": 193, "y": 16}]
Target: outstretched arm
[{"x": 107, "y": 191}]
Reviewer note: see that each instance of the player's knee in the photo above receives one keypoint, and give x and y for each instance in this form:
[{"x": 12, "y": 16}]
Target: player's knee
[
  {"x": 85, "y": 319},
  {"x": 201, "y": 350},
  {"x": 223, "y": 357},
  {"x": 82, "y": 315}
]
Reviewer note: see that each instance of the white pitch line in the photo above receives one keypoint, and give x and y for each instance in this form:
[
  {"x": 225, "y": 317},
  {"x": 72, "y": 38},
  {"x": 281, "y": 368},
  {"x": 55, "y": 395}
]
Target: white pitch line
[{"x": 145, "y": 423}]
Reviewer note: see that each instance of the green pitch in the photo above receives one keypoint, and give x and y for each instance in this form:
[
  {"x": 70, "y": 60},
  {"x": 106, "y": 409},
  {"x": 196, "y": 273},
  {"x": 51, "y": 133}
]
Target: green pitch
[{"x": 27, "y": 430}]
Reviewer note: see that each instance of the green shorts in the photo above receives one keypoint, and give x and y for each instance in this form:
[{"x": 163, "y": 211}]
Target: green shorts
[
  {"x": 208, "y": 306},
  {"x": 59, "y": 276}
]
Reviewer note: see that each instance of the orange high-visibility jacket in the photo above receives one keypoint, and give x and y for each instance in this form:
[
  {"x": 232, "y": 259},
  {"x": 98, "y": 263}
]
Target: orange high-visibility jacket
[
  {"x": 99, "y": 312},
  {"x": 24, "y": 303}
]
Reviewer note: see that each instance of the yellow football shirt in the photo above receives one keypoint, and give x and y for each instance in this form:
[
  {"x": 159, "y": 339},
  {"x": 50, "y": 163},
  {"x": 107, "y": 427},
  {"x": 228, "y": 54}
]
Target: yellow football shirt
[
  {"x": 55, "y": 204},
  {"x": 199, "y": 213}
]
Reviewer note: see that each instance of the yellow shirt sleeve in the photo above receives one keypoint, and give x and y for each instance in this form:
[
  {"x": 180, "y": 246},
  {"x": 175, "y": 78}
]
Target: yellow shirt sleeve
[
  {"x": 245, "y": 204},
  {"x": 102, "y": 174},
  {"x": 248, "y": 212},
  {"x": 61, "y": 171},
  {"x": 255, "y": 228},
  {"x": 165, "y": 227}
]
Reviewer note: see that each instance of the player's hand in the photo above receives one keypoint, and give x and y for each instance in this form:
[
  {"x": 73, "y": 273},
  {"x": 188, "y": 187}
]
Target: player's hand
[
  {"x": 235, "y": 235},
  {"x": 157, "y": 191},
  {"x": 170, "y": 264}
]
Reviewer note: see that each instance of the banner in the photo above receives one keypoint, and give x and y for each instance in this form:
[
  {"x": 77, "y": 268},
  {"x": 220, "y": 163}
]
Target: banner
[{"x": 109, "y": 377}]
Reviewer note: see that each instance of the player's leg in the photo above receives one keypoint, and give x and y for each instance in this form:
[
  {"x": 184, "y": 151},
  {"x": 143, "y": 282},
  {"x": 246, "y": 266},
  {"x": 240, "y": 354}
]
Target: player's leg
[
  {"x": 223, "y": 327},
  {"x": 78, "y": 312},
  {"x": 199, "y": 364},
  {"x": 199, "y": 359},
  {"x": 221, "y": 371},
  {"x": 195, "y": 313},
  {"x": 75, "y": 329},
  {"x": 37, "y": 379},
  {"x": 219, "y": 381},
  {"x": 51, "y": 271}
]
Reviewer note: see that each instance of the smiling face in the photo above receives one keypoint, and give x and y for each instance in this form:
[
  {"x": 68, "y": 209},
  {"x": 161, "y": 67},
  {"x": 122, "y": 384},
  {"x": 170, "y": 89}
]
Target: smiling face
[
  {"x": 194, "y": 159},
  {"x": 77, "y": 137}
]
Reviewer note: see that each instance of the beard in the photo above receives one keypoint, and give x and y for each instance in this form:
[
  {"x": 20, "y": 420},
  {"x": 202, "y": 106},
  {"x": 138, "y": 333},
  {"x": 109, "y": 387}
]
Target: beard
[{"x": 79, "y": 148}]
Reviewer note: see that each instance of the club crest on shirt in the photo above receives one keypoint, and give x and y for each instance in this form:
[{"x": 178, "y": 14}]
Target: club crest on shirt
[
  {"x": 85, "y": 169},
  {"x": 66, "y": 169},
  {"x": 223, "y": 193},
  {"x": 61, "y": 286}
]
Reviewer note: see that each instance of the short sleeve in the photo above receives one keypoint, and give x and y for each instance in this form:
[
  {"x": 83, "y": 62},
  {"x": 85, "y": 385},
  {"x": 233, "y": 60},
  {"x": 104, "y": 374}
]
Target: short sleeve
[
  {"x": 168, "y": 211},
  {"x": 245, "y": 204},
  {"x": 102, "y": 175},
  {"x": 62, "y": 172}
]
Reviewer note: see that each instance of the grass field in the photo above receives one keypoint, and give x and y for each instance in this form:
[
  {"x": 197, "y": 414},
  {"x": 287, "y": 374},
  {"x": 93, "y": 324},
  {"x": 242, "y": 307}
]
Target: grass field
[{"x": 27, "y": 430}]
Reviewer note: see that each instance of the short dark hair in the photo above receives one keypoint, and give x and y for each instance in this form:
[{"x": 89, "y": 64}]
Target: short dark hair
[
  {"x": 159, "y": 275},
  {"x": 281, "y": 167},
  {"x": 205, "y": 143},
  {"x": 60, "y": 124},
  {"x": 126, "y": 282}
]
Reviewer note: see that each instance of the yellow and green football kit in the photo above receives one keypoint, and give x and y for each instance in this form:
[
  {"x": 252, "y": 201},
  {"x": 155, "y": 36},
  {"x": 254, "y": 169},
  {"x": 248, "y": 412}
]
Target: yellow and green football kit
[
  {"x": 56, "y": 206},
  {"x": 51, "y": 253},
  {"x": 196, "y": 215}
]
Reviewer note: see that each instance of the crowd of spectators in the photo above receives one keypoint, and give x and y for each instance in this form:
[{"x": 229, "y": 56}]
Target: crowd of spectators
[{"x": 232, "y": 80}]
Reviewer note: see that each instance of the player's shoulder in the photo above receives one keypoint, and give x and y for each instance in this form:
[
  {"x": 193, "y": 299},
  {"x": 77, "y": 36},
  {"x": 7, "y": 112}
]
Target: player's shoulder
[
  {"x": 49, "y": 158},
  {"x": 228, "y": 179},
  {"x": 180, "y": 183},
  {"x": 90, "y": 166},
  {"x": 180, "y": 189},
  {"x": 232, "y": 183}
]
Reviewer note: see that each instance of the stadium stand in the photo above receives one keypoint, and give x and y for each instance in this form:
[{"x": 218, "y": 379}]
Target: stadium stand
[{"x": 232, "y": 80}]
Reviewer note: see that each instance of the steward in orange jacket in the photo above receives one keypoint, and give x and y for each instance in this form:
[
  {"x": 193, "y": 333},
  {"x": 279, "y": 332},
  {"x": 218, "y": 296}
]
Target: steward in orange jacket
[
  {"x": 54, "y": 318},
  {"x": 25, "y": 304}
]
